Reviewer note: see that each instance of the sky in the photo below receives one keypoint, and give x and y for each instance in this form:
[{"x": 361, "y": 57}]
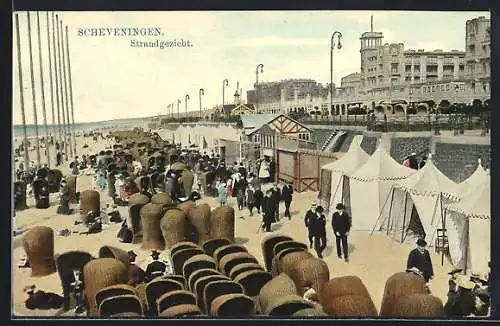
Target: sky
[{"x": 113, "y": 80}]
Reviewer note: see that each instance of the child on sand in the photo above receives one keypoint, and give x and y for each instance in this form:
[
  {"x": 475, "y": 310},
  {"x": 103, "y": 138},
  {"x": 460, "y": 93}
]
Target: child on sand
[{"x": 222, "y": 192}]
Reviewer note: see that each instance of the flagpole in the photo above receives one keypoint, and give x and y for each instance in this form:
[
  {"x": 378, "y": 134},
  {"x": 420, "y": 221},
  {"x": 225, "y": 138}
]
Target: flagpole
[
  {"x": 23, "y": 114},
  {"x": 65, "y": 81},
  {"x": 65, "y": 135},
  {"x": 32, "y": 73},
  {"x": 56, "y": 79},
  {"x": 71, "y": 90},
  {"x": 50, "y": 79},
  {"x": 47, "y": 149}
]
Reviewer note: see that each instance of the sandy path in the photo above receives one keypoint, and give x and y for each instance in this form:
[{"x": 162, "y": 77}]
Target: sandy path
[{"x": 372, "y": 258}]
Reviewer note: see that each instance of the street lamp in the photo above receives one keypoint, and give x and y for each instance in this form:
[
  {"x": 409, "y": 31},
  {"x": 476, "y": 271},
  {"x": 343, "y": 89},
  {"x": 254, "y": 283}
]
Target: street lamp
[
  {"x": 178, "y": 114},
  {"x": 261, "y": 66},
  {"x": 339, "y": 46},
  {"x": 202, "y": 92},
  {"x": 225, "y": 83},
  {"x": 186, "y": 98}
]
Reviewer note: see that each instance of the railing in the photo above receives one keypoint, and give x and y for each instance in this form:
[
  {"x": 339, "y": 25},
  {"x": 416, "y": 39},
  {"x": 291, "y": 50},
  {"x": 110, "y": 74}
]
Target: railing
[{"x": 418, "y": 122}]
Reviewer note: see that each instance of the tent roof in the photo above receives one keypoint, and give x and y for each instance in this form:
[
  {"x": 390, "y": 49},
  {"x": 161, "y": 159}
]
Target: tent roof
[
  {"x": 429, "y": 181},
  {"x": 381, "y": 166},
  {"x": 353, "y": 159},
  {"x": 478, "y": 204},
  {"x": 476, "y": 179}
]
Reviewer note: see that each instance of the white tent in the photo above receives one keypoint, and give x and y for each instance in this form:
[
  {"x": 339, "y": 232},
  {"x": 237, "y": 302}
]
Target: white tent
[
  {"x": 369, "y": 186},
  {"x": 416, "y": 205},
  {"x": 477, "y": 178},
  {"x": 471, "y": 218},
  {"x": 353, "y": 159}
]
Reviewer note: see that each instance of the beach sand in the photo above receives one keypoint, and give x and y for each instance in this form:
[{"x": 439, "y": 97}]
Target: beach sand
[{"x": 373, "y": 258}]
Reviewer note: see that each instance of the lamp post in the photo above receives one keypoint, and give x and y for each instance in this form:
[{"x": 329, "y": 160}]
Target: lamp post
[
  {"x": 186, "y": 98},
  {"x": 225, "y": 83},
  {"x": 178, "y": 114},
  {"x": 202, "y": 92},
  {"x": 339, "y": 46},
  {"x": 261, "y": 66}
]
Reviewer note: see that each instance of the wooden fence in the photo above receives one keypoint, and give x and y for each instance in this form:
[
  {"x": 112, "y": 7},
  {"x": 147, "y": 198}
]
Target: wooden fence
[{"x": 302, "y": 167}]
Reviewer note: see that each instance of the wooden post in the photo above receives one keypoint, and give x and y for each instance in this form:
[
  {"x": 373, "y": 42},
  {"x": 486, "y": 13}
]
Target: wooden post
[
  {"x": 32, "y": 73},
  {"x": 66, "y": 101},
  {"x": 51, "y": 81},
  {"x": 390, "y": 210},
  {"x": 23, "y": 114},
  {"x": 56, "y": 84},
  {"x": 297, "y": 165},
  {"x": 404, "y": 217}
]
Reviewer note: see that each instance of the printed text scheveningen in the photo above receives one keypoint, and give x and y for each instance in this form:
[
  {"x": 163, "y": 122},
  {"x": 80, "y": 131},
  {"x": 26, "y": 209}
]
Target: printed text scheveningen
[{"x": 120, "y": 32}]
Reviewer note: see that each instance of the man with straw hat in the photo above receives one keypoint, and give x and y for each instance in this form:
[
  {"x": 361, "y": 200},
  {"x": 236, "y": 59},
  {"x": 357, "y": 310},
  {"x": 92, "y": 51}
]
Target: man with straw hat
[{"x": 463, "y": 303}]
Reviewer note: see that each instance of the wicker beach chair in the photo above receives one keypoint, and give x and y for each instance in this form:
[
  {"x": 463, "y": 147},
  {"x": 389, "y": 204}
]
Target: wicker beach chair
[
  {"x": 151, "y": 215},
  {"x": 177, "y": 278},
  {"x": 197, "y": 274},
  {"x": 342, "y": 286},
  {"x": 112, "y": 291},
  {"x": 252, "y": 281},
  {"x": 277, "y": 260},
  {"x": 233, "y": 305},
  {"x": 285, "y": 263},
  {"x": 71, "y": 182},
  {"x": 175, "y": 298},
  {"x": 174, "y": 227},
  {"x": 181, "y": 256},
  {"x": 198, "y": 262},
  {"x": 201, "y": 283},
  {"x": 66, "y": 263},
  {"x": 283, "y": 245},
  {"x": 89, "y": 201},
  {"x": 218, "y": 288},
  {"x": 222, "y": 223},
  {"x": 397, "y": 285},
  {"x": 125, "y": 314},
  {"x": 229, "y": 261},
  {"x": 183, "y": 310},
  {"x": 38, "y": 245},
  {"x": 210, "y": 246},
  {"x": 351, "y": 306},
  {"x": 162, "y": 198},
  {"x": 199, "y": 218},
  {"x": 268, "y": 248},
  {"x": 312, "y": 272},
  {"x": 182, "y": 245},
  {"x": 186, "y": 206},
  {"x": 158, "y": 287},
  {"x": 419, "y": 305},
  {"x": 287, "y": 305},
  {"x": 242, "y": 268},
  {"x": 121, "y": 304},
  {"x": 136, "y": 202},
  {"x": 220, "y": 252},
  {"x": 101, "y": 273},
  {"x": 116, "y": 253},
  {"x": 280, "y": 286}
]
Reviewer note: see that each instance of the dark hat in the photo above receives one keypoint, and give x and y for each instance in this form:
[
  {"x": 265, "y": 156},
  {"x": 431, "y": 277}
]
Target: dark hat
[
  {"x": 421, "y": 242},
  {"x": 154, "y": 253},
  {"x": 132, "y": 253},
  {"x": 340, "y": 206},
  {"x": 456, "y": 270},
  {"x": 319, "y": 209}
]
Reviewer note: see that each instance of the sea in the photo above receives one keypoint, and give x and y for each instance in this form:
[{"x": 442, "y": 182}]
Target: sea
[{"x": 17, "y": 130}]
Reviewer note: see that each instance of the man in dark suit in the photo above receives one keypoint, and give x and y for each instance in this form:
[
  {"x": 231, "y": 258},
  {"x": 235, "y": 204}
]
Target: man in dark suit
[
  {"x": 341, "y": 223},
  {"x": 319, "y": 231},
  {"x": 242, "y": 170},
  {"x": 156, "y": 268},
  {"x": 420, "y": 258},
  {"x": 308, "y": 221},
  {"x": 268, "y": 211},
  {"x": 286, "y": 195},
  {"x": 463, "y": 302},
  {"x": 275, "y": 199}
]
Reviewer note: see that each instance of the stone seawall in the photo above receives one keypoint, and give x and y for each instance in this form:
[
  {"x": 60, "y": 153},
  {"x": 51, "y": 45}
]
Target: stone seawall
[
  {"x": 455, "y": 156},
  {"x": 458, "y": 161}
]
